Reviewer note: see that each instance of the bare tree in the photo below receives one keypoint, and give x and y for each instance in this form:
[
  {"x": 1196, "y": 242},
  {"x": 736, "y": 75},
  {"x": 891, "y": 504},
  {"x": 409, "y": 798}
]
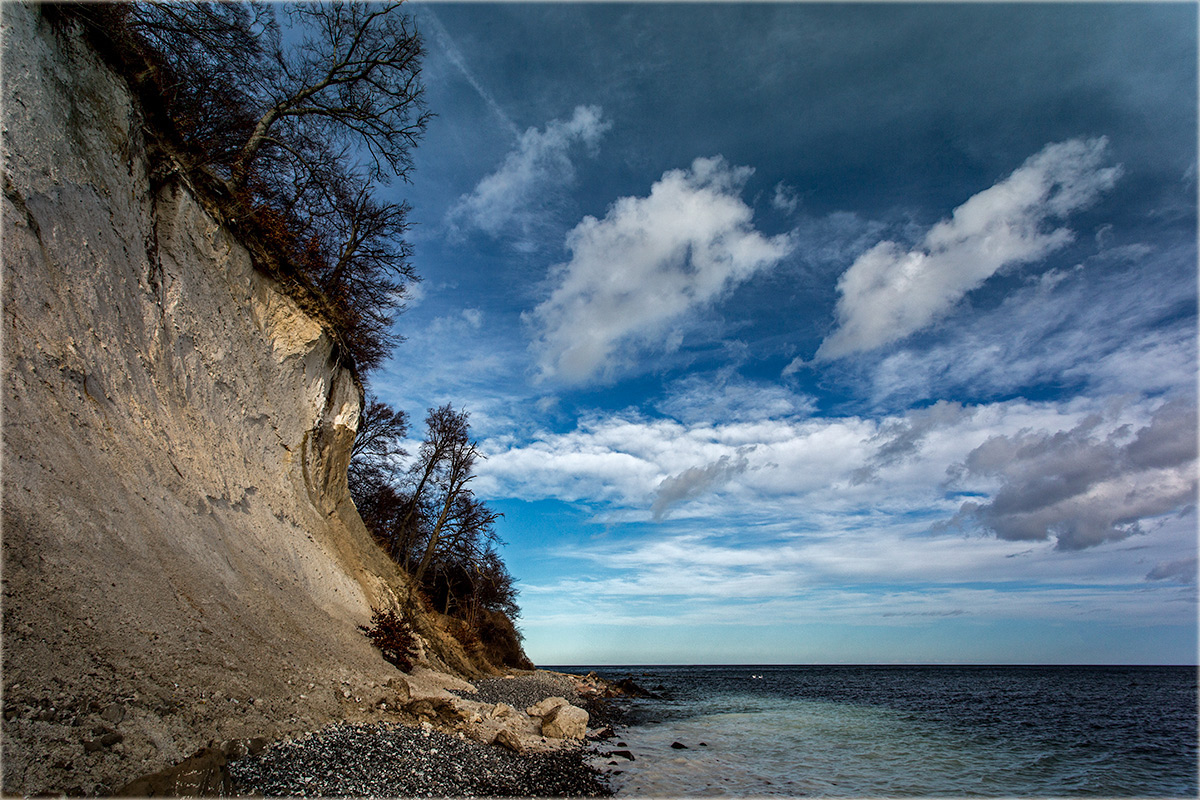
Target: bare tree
[
  {"x": 464, "y": 550},
  {"x": 493, "y": 588},
  {"x": 377, "y": 446},
  {"x": 455, "y": 471},
  {"x": 300, "y": 129},
  {"x": 368, "y": 269},
  {"x": 432, "y": 517},
  {"x": 204, "y": 59},
  {"x": 375, "y": 463},
  {"x": 354, "y": 79},
  {"x": 445, "y": 429}
]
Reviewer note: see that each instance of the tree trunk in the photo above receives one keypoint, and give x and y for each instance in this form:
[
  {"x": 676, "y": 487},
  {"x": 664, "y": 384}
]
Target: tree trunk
[{"x": 435, "y": 534}]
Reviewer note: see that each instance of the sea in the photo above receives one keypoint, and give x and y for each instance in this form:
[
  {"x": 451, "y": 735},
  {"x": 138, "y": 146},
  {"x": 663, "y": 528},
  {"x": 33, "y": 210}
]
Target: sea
[{"x": 907, "y": 731}]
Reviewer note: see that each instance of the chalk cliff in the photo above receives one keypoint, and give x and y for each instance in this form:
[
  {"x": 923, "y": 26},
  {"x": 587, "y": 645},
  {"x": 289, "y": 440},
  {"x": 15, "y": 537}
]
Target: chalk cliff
[{"x": 182, "y": 560}]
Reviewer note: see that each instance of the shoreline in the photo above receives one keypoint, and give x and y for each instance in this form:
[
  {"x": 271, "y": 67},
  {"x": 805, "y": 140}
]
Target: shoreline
[
  {"x": 391, "y": 758},
  {"x": 395, "y": 760}
]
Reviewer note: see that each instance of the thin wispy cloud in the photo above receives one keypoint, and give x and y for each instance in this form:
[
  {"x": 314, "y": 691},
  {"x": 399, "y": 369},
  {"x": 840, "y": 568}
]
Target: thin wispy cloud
[
  {"x": 639, "y": 271},
  {"x": 1107, "y": 332},
  {"x": 725, "y": 397},
  {"x": 456, "y": 57},
  {"x": 890, "y": 292},
  {"x": 834, "y": 576},
  {"x": 512, "y": 201}
]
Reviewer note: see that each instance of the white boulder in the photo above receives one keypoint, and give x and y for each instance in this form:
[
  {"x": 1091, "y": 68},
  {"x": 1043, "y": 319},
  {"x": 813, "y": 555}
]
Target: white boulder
[
  {"x": 565, "y": 722},
  {"x": 546, "y": 707}
]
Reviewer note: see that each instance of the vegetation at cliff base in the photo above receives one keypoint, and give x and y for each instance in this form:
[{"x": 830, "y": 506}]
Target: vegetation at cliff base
[{"x": 423, "y": 513}]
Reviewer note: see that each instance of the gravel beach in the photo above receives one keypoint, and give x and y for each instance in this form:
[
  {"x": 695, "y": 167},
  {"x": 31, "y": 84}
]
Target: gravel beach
[
  {"x": 389, "y": 760},
  {"x": 392, "y": 760},
  {"x": 523, "y": 690}
]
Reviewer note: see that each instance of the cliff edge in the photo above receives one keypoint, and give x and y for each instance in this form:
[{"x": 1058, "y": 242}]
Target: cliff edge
[{"x": 182, "y": 562}]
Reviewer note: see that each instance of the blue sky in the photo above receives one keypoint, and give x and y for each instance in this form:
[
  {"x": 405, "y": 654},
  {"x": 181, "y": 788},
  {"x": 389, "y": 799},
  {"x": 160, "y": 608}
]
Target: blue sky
[{"x": 801, "y": 333}]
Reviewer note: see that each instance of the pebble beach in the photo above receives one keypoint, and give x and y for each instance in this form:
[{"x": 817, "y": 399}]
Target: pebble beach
[{"x": 394, "y": 760}]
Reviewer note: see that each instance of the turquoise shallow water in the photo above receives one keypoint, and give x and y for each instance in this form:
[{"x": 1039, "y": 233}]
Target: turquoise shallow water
[{"x": 912, "y": 731}]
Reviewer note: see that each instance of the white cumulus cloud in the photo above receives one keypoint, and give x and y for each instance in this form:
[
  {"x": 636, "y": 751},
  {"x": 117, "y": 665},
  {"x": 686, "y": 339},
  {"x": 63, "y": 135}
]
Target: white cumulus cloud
[
  {"x": 890, "y": 292},
  {"x": 638, "y": 271},
  {"x": 509, "y": 200}
]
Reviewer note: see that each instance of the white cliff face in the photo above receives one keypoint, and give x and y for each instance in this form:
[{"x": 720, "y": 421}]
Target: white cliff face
[{"x": 178, "y": 537}]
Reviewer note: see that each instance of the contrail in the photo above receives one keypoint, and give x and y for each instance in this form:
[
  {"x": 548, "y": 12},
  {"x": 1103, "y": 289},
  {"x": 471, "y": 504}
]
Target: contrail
[{"x": 456, "y": 58}]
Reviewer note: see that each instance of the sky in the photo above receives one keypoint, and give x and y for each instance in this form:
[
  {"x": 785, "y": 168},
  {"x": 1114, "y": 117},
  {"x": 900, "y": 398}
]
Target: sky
[{"x": 819, "y": 333}]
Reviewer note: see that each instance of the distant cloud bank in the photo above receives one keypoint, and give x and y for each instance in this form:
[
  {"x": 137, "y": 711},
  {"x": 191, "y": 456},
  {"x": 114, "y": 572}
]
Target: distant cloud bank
[{"x": 1035, "y": 473}]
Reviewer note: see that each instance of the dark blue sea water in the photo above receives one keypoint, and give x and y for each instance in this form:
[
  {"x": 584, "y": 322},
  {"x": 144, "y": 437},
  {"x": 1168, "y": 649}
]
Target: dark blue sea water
[{"x": 911, "y": 731}]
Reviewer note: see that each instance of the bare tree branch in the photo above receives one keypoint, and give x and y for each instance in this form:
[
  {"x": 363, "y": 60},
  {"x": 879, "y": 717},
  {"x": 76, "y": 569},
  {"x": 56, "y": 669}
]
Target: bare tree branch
[{"x": 357, "y": 77}]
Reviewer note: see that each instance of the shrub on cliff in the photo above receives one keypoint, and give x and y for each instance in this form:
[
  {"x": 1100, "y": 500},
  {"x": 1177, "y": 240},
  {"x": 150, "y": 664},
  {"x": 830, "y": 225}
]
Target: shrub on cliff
[{"x": 393, "y": 637}]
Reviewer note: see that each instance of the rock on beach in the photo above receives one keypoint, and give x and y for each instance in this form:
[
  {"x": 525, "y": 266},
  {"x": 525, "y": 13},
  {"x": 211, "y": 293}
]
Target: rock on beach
[{"x": 565, "y": 722}]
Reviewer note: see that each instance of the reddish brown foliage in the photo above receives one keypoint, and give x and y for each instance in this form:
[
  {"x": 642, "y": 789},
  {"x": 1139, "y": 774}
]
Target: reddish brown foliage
[
  {"x": 270, "y": 134},
  {"x": 393, "y": 637}
]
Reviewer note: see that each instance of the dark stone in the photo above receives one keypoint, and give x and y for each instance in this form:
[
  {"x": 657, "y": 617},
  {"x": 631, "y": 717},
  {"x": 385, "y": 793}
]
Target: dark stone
[
  {"x": 678, "y": 746},
  {"x": 256, "y": 745},
  {"x": 109, "y": 739},
  {"x": 604, "y": 733},
  {"x": 235, "y": 749},
  {"x": 205, "y": 774},
  {"x": 704, "y": 744},
  {"x": 628, "y": 688},
  {"x": 623, "y": 754},
  {"x": 622, "y": 744},
  {"x": 113, "y": 714},
  {"x": 91, "y": 745}
]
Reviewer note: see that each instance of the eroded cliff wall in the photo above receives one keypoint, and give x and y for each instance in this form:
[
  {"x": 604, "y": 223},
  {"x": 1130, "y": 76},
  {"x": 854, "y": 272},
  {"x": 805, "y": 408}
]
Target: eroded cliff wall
[{"x": 182, "y": 562}]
